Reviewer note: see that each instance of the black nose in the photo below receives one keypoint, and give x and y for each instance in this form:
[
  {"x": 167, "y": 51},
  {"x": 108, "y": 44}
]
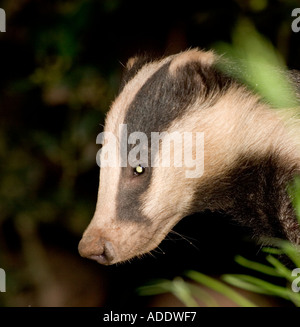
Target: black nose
[
  {"x": 97, "y": 249},
  {"x": 107, "y": 255}
]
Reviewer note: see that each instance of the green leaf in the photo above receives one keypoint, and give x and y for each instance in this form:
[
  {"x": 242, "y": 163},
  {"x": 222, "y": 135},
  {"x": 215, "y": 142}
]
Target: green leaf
[
  {"x": 178, "y": 287},
  {"x": 259, "y": 286},
  {"x": 220, "y": 288},
  {"x": 257, "y": 266},
  {"x": 239, "y": 282},
  {"x": 282, "y": 270},
  {"x": 255, "y": 62}
]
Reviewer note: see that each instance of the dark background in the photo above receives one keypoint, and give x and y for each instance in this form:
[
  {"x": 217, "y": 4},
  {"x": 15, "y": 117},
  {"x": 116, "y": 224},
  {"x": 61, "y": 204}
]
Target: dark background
[{"x": 61, "y": 63}]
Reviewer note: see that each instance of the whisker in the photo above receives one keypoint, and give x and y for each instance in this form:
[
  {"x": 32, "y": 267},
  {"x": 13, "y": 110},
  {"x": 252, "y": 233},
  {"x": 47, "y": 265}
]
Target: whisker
[
  {"x": 161, "y": 250},
  {"x": 122, "y": 64},
  {"x": 186, "y": 238},
  {"x": 152, "y": 254}
]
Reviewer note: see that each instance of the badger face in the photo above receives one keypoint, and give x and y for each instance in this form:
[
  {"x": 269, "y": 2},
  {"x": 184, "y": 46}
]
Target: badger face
[{"x": 138, "y": 204}]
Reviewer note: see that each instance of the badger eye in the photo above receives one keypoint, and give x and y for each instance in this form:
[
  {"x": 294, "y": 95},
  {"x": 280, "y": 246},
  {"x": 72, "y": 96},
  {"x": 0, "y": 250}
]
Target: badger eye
[{"x": 139, "y": 170}]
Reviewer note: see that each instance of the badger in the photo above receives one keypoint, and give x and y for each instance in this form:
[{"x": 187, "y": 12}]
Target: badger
[{"x": 251, "y": 154}]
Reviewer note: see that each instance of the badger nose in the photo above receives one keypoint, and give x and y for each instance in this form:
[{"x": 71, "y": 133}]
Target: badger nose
[{"x": 98, "y": 249}]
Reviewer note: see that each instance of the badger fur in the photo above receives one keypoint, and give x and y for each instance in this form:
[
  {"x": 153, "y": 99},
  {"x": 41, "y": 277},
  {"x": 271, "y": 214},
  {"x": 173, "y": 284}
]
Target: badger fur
[{"x": 251, "y": 153}]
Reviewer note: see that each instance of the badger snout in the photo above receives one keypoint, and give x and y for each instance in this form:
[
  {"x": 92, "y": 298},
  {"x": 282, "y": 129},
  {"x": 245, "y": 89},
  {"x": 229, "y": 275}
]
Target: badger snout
[{"x": 97, "y": 248}]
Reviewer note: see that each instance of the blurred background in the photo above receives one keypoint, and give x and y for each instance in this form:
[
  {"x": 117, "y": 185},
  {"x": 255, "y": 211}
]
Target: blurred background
[{"x": 61, "y": 64}]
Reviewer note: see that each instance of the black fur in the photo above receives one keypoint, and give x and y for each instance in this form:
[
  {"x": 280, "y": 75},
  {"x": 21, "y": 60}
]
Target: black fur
[{"x": 254, "y": 193}]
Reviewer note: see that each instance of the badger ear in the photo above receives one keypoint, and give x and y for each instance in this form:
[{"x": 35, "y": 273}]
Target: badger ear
[
  {"x": 133, "y": 65},
  {"x": 137, "y": 62},
  {"x": 131, "y": 61},
  {"x": 206, "y": 58}
]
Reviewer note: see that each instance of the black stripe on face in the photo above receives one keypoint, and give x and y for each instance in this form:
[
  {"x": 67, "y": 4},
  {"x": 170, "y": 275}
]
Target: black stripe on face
[
  {"x": 165, "y": 97},
  {"x": 162, "y": 99}
]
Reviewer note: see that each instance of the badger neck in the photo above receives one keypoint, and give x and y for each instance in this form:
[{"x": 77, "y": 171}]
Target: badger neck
[
  {"x": 250, "y": 168},
  {"x": 254, "y": 192}
]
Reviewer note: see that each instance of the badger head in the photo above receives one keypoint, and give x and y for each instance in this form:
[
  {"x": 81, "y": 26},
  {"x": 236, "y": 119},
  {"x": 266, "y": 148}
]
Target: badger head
[{"x": 140, "y": 202}]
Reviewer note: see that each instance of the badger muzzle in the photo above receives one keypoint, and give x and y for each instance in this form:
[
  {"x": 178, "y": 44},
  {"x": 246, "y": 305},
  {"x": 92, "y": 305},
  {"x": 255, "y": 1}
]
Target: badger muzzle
[{"x": 97, "y": 248}]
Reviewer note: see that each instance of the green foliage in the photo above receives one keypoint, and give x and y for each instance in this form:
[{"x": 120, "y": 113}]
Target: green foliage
[
  {"x": 177, "y": 286},
  {"x": 255, "y": 61},
  {"x": 276, "y": 268},
  {"x": 190, "y": 294}
]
